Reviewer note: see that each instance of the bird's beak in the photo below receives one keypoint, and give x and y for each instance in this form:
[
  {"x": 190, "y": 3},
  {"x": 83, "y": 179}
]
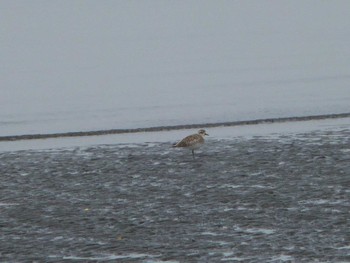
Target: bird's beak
[{"x": 206, "y": 134}]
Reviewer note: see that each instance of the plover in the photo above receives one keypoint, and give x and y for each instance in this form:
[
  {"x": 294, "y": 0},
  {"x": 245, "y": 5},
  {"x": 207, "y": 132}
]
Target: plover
[{"x": 193, "y": 141}]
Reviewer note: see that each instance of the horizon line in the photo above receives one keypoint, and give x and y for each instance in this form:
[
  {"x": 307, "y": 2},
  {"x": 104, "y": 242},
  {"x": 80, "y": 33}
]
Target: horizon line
[{"x": 171, "y": 127}]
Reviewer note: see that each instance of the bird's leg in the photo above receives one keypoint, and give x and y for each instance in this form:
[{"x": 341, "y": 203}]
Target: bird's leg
[{"x": 193, "y": 154}]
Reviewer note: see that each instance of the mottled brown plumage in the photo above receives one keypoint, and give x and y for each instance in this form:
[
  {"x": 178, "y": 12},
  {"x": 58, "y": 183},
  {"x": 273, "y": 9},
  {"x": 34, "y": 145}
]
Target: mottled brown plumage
[{"x": 193, "y": 141}]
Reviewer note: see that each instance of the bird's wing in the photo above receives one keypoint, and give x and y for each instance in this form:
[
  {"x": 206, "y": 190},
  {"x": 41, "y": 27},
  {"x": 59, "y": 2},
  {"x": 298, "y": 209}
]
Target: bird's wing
[{"x": 189, "y": 140}]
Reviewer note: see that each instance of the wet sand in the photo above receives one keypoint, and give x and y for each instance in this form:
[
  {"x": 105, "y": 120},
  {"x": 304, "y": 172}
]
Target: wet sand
[{"x": 262, "y": 199}]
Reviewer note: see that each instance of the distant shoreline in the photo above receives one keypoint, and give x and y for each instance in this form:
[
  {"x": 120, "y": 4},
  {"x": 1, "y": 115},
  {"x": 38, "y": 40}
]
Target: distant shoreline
[{"x": 173, "y": 127}]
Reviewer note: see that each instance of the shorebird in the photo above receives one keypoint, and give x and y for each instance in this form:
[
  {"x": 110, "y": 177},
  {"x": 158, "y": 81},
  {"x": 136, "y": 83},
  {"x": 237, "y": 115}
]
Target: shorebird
[{"x": 193, "y": 141}]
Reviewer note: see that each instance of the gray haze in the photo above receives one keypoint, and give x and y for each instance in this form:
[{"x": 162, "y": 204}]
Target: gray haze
[{"x": 81, "y": 65}]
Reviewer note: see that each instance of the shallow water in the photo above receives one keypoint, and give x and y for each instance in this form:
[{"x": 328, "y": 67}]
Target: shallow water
[{"x": 263, "y": 199}]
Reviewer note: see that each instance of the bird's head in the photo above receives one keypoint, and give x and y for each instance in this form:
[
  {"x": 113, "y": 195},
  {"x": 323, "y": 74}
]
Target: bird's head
[{"x": 202, "y": 132}]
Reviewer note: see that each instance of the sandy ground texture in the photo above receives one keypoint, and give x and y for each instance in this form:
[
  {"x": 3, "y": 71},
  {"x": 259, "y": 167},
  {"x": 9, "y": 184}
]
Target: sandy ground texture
[{"x": 282, "y": 198}]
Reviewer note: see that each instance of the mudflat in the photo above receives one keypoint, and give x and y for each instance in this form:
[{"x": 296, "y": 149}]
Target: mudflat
[{"x": 282, "y": 198}]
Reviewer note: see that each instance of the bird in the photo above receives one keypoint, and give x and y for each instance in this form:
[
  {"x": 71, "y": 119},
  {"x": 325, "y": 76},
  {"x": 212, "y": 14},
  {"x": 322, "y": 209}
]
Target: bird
[{"x": 193, "y": 141}]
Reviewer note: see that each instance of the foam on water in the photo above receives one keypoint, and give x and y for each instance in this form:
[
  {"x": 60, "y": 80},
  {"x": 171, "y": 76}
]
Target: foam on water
[
  {"x": 220, "y": 242},
  {"x": 207, "y": 233},
  {"x": 235, "y": 259},
  {"x": 323, "y": 202},
  {"x": 255, "y": 230},
  {"x": 230, "y": 186},
  {"x": 227, "y": 254},
  {"x": 282, "y": 258},
  {"x": 161, "y": 261},
  {"x": 245, "y": 186},
  {"x": 344, "y": 247},
  {"x": 110, "y": 257},
  {"x": 8, "y": 204}
]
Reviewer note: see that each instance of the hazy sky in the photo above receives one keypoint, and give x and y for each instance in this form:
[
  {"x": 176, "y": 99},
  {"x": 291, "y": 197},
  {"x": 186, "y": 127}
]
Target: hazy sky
[{"x": 63, "y": 57}]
